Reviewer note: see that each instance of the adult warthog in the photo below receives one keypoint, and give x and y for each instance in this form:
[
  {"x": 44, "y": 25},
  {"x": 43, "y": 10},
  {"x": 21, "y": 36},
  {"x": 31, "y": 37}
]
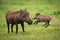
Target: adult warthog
[
  {"x": 17, "y": 17},
  {"x": 41, "y": 18}
]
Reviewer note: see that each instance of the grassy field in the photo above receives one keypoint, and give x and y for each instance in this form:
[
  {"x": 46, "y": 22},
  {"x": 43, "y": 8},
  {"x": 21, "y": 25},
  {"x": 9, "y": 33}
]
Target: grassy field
[{"x": 32, "y": 32}]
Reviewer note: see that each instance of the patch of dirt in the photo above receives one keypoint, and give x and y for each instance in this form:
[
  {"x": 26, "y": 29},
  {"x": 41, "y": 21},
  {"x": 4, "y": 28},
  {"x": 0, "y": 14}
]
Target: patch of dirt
[{"x": 55, "y": 21}]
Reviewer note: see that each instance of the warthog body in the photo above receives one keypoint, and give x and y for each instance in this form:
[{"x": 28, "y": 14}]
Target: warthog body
[
  {"x": 18, "y": 17},
  {"x": 41, "y": 18}
]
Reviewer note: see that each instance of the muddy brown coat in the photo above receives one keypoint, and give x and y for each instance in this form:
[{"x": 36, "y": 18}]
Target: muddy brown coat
[
  {"x": 42, "y": 18},
  {"x": 18, "y": 17}
]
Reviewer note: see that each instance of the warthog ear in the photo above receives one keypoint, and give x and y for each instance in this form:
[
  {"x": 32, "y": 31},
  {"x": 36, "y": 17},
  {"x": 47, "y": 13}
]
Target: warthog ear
[
  {"x": 37, "y": 13},
  {"x": 20, "y": 9}
]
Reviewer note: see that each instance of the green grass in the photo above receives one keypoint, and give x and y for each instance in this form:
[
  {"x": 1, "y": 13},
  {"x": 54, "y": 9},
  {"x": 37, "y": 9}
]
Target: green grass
[{"x": 32, "y": 32}]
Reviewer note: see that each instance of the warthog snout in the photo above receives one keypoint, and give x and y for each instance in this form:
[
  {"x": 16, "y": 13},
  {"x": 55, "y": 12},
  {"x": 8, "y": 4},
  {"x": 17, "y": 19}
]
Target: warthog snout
[{"x": 30, "y": 22}]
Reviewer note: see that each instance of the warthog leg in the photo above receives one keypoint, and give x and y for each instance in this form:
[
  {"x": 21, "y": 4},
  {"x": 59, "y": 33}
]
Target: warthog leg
[
  {"x": 44, "y": 24},
  {"x": 47, "y": 24},
  {"x": 22, "y": 24},
  {"x": 16, "y": 28},
  {"x": 35, "y": 21},
  {"x": 11, "y": 27},
  {"x": 8, "y": 27}
]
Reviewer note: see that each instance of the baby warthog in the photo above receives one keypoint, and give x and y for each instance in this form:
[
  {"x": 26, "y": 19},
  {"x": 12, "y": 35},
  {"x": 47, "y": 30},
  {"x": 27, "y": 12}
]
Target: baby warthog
[
  {"x": 41, "y": 18},
  {"x": 17, "y": 17}
]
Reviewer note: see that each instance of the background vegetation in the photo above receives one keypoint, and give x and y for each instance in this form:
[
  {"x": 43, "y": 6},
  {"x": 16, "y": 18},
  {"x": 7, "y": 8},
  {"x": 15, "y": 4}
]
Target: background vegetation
[{"x": 32, "y": 32}]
